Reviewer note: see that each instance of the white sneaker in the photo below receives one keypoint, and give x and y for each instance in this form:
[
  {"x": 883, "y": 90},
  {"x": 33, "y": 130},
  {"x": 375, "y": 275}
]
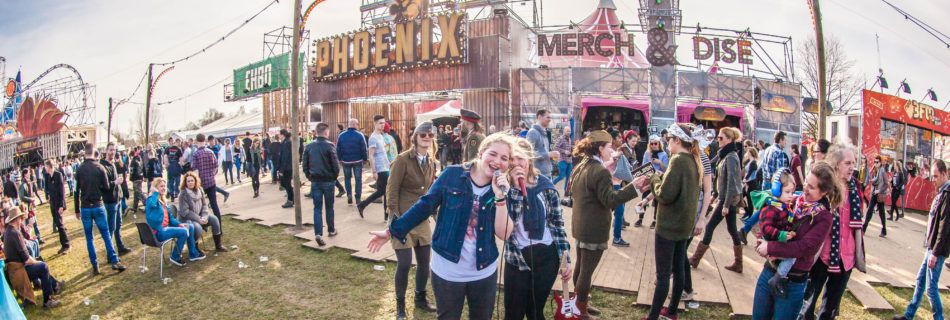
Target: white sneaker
[{"x": 177, "y": 263}]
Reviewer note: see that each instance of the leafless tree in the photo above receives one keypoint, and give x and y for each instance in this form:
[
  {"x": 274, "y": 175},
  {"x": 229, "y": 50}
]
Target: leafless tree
[
  {"x": 153, "y": 120},
  {"x": 843, "y": 85}
]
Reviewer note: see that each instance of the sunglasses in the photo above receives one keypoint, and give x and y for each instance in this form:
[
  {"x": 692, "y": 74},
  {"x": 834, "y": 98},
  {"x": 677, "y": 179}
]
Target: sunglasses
[
  {"x": 426, "y": 135},
  {"x": 654, "y": 143},
  {"x": 720, "y": 138}
]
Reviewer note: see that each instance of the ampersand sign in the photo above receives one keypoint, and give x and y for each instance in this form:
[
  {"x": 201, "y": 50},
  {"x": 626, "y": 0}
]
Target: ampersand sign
[{"x": 658, "y": 52}]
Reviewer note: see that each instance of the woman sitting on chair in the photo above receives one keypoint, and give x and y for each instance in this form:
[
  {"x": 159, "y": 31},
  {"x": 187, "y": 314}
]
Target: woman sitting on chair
[
  {"x": 166, "y": 227},
  {"x": 193, "y": 209}
]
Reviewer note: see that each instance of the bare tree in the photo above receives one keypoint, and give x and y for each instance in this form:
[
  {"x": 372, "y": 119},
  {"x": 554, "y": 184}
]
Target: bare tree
[
  {"x": 140, "y": 121},
  {"x": 210, "y": 116},
  {"x": 843, "y": 85}
]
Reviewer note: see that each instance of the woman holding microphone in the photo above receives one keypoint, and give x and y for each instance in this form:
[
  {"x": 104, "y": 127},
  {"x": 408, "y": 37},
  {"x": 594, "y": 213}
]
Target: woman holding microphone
[{"x": 473, "y": 211}]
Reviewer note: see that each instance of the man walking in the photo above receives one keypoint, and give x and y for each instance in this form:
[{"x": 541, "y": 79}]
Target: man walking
[
  {"x": 137, "y": 175},
  {"x": 538, "y": 136},
  {"x": 351, "y": 147},
  {"x": 472, "y": 135},
  {"x": 56, "y": 190},
  {"x": 111, "y": 198},
  {"x": 938, "y": 247},
  {"x": 286, "y": 166},
  {"x": 172, "y": 164},
  {"x": 379, "y": 161},
  {"x": 273, "y": 154},
  {"x": 774, "y": 159},
  {"x": 92, "y": 183},
  {"x": 206, "y": 163},
  {"x": 321, "y": 168}
]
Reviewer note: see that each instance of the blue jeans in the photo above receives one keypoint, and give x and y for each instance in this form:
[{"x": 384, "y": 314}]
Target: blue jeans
[
  {"x": 767, "y": 306},
  {"x": 784, "y": 266},
  {"x": 354, "y": 171},
  {"x": 115, "y": 223},
  {"x": 273, "y": 172},
  {"x": 618, "y": 217},
  {"x": 181, "y": 235},
  {"x": 322, "y": 193},
  {"x": 237, "y": 167},
  {"x": 228, "y": 171},
  {"x": 563, "y": 173},
  {"x": 97, "y": 216},
  {"x": 174, "y": 182},
  {"x": 750, "y": 222},
  {"x": 927, "y": 278}
]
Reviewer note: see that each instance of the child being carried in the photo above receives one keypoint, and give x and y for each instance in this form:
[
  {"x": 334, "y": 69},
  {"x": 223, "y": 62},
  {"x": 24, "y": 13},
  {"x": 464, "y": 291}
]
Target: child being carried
[{"x": 779, "y": 220}]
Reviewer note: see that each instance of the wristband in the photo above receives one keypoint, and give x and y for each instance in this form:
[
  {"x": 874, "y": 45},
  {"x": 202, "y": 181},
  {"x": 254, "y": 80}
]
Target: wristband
[
  {"x": 502, "y": 199},
  {"x": 500, "y": 203}
]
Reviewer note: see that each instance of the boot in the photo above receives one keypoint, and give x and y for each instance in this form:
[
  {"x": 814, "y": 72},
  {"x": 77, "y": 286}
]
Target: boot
[
  {"x": 698, "y": 255},
  {"x": 737, "y": 265},
  {"x": 423, "y": 303},
  {"x": 217, "y": 244},
  {"x": 400, "y": 308},
  {"x": 585, "y": 313}
]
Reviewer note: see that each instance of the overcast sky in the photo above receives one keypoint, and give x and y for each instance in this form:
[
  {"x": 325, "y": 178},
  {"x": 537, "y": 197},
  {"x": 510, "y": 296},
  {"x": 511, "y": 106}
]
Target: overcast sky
[{"x": 111, "y": 42}]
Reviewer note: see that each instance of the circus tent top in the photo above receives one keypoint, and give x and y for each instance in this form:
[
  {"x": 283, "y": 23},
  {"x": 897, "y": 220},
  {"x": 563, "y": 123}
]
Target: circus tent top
[{"x": 603, "y": 20}]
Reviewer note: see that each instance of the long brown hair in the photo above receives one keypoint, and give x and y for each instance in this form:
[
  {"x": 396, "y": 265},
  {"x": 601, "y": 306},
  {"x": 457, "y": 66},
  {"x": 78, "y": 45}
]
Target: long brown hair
[
  {"x": 693, "y": 147},
  {"x": 828, "y": 182}
]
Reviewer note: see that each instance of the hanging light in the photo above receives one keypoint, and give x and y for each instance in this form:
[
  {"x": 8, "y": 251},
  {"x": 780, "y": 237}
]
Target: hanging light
[{"x": 661, "y": 23}]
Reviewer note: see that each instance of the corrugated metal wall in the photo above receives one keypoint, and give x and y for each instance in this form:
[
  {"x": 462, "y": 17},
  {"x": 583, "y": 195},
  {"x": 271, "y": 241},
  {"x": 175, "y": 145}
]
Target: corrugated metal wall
[
  {"x": 492, "y": 105},
  {"x": 335, "y": 113}
]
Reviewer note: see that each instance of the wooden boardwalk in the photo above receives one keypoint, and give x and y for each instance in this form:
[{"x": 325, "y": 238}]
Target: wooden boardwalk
[{"x": 892, "y": 261}]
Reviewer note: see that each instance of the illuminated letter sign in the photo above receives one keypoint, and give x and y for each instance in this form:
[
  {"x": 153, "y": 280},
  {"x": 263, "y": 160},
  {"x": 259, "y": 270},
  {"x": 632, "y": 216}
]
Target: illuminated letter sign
[
  {"x": 388, "y": 47},
  {"x": 584, "y": 44},
  {"x": 725, "y": 50}
]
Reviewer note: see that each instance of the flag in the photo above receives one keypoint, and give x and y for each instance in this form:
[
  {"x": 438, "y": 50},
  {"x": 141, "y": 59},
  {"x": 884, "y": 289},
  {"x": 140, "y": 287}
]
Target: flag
[{"x": 714, "y": 68}]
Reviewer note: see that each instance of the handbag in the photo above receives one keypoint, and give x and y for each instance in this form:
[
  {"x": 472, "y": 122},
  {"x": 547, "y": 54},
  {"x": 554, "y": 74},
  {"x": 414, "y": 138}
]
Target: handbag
[{"x": 623, "y": 171}]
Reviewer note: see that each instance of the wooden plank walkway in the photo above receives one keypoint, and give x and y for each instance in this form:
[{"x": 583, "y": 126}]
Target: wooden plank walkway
[{"x": 892, "y": 261}]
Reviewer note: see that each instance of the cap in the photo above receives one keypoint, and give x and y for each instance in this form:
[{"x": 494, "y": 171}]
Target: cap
[
  {"x": 470, "y": 116},
  {"x": 387, "y": 127},
  {"x": 425, "y": 127},
  {"x": 600, "y": 136}
]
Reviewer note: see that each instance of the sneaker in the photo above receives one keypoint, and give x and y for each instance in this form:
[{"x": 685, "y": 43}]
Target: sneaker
[
  {"x": 123, "y": 251},
  {"x": 201, "y": 256},
  {"x": 288, "y": 204},
  {"x": 176, "y": 262},
  {"x": 349, "y": 200},
  {"x": 118, "y": 267},
  {"x": 665, "y": 314},
  {"x": 320, "y": 241},
  {"x": 653, "y": 225},
  {"x": 308, "y": 196},
  {"x": 332, "y": 234},
  {"x": 620, "y": 243},
  {"x": 340, "y": 194},
  {"x": 256, "y": 194},
  {"x": 95, "y": 270},
  {"x": 778, "y": 285},
  {"x": 51, "y": 304},
  {"x": 63, "y": 250},
  {"x": 638, "y": 224},
  {"x": 626, "y": 223},
  {"x": 688, "y": 296}
]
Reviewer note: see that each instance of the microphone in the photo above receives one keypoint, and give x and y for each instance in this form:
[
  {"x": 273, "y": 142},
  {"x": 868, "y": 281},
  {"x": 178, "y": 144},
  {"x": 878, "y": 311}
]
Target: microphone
[{"x": 504, "y": 189}]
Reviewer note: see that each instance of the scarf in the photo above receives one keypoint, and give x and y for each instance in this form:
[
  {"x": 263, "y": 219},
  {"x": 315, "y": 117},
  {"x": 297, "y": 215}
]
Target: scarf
[
  {"x": 725, "y": 150},
  {"x": 854, "y": 202}
]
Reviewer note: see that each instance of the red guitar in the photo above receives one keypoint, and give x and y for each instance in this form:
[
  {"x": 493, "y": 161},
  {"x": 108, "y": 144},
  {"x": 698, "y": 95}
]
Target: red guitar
[{"x": 566, "y": 310}]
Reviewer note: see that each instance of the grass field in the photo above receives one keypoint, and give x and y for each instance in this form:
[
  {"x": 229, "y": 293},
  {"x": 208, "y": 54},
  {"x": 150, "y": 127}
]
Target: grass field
[{"x": 295, "y": 283}]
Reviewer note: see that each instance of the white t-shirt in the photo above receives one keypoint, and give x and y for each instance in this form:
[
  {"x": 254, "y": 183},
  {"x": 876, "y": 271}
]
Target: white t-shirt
[
  {"x": 521, "y": 235},
  {"x": 380, "y": 159},
  {"x": 465, "y": 270}
]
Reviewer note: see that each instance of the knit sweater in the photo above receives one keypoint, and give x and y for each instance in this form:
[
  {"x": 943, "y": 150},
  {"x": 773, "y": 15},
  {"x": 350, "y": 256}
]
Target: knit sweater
[
  {"x": 594, "y": 200},
  {"x": 677, "y": 195}
]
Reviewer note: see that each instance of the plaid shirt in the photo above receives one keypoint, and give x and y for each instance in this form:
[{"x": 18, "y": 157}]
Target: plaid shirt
[
  {"x": 555, "y": 223},
  {"x": 773, "y": 160},
  {"x": 207, "y": 165},
  {"x": 776, "y": 221}
]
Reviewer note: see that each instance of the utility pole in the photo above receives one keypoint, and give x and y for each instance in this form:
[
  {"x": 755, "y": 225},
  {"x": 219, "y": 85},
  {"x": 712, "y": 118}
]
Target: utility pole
[
  {"x": 295, "y": 115},
  {"x": 148, "y": 102},
  {"x": 109, "y": 125},
  {"x": 822, "y": 77}
]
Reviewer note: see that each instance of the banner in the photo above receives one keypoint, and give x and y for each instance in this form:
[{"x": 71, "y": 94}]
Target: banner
[{"x": 264, "y": 76}]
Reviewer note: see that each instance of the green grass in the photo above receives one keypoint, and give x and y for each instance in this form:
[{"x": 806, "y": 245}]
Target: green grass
[{"x": 296, "y": 283}]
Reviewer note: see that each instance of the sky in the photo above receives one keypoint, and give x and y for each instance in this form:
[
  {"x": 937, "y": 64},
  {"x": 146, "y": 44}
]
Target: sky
[{"x": 111, "y": 42}]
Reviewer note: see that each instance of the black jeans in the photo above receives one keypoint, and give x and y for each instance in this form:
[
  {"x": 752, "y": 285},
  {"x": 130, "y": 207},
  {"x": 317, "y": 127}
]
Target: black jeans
[
  {"x": 688, "y": 274},
  {"x": 895, "y": 205},
  {"x": 670, "y": 260},
  {"x": 527, "y": 291},
  {"x": 286, "y": 177},
  {"x": 450, "y": 297},
  {"x": 834, "y": 285},
  {"x": 403, "y": 263},
  {"x": 255, "y": 174},
  {"x": 213, "y": 203},
  {"x": 716, "y": 218},
  {"x": 382, "y": 179},
  {"x": 587, "y": 261},
  {"x": 880, "y": 212},
  {"x": 59, "y": 226},
  {"x": 40, "y": 271}
]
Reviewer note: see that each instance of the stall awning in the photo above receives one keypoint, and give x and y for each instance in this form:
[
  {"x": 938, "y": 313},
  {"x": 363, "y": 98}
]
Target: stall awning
[{"x": 450, "y": 109}]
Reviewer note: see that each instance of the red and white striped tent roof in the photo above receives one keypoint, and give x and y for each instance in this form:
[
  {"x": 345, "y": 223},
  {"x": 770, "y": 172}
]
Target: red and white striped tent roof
[{"x": 602, "y": 20}]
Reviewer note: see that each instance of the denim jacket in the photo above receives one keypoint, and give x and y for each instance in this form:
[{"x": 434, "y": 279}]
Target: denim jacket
[{"x": 452, "y": 194}]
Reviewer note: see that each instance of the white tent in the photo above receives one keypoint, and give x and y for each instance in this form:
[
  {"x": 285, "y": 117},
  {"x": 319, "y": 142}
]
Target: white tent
[{"x": 451, "y": 109}]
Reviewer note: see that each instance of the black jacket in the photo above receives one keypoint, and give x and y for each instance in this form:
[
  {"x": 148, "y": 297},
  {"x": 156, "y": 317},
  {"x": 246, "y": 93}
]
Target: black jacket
[
  {"x": 320, "y": 163},
  {"x": 10, "y": 189},
  {"x": 285, "y": 160},
  {"x": 135, "y": 169},
  {"x": 92, "y": 182},
  {"x": 55, "y": 189},
  {"x": 938, "y": 234},
  {"x": 112, "y": 196},
  {"x": 273, "y": 151}
]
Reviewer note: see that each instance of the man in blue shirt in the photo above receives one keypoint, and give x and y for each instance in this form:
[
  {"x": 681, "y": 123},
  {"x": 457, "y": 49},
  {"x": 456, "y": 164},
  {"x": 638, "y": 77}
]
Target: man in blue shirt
[
  {"x": 774, "y": 159},
  {"x": 351, "y": 148}
]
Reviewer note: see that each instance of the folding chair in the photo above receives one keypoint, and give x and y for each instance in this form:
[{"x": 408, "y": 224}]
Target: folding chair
[{"x": 149, "y": 240}]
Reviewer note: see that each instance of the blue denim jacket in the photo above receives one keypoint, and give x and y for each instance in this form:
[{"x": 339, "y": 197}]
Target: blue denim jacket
[{"x": 452, "y": 195}]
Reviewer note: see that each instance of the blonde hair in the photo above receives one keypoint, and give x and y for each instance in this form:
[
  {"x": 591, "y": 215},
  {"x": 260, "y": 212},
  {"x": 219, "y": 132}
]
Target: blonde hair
[
  {"x": 731, "y": 133},
  {"x": 157, "y": 181},
  {"x": 523, "y": 149},
  {"x": 836, "y": 153},
  {"x": 184, "y": 181},
  {"x": 493, "y": 139}
]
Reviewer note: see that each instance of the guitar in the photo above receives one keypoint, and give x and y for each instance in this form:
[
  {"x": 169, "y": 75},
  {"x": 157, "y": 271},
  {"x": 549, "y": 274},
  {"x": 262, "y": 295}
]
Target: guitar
[{"x": 566, "y": 308}]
